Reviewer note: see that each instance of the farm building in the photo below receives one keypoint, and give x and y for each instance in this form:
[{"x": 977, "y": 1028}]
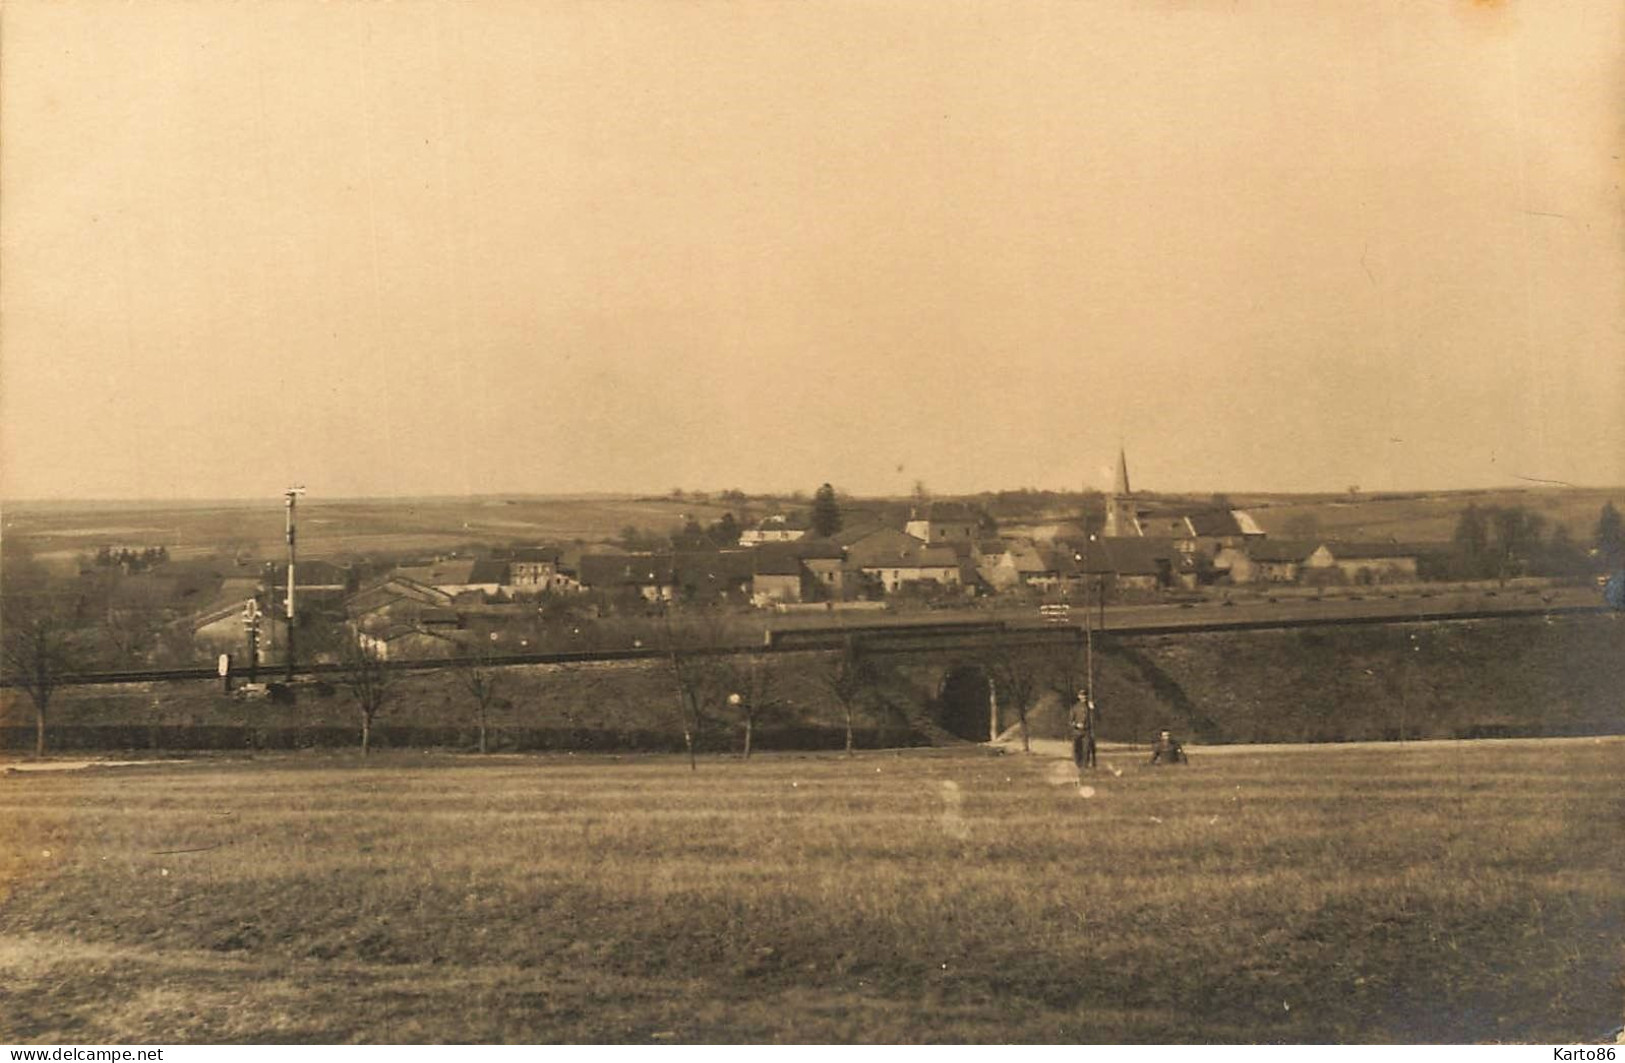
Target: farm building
[
  {"x": 648, "y": 575},
  {"x": 1008, "y": 564},
  {"x": 1266, "y": 561},
  {"x": 944, "y": 522},
  {"x": 779, "y": 574},
  {"x": 1366, "y": 562},
  {"x": 400, "y": 642},
  {"x": 890, "y": 558},
  {"x": 532, "y": 568},
  {"x": 777, "y": 528},
  {"x": 396, "y": 599},
  {"x": 714, "y": 576}
]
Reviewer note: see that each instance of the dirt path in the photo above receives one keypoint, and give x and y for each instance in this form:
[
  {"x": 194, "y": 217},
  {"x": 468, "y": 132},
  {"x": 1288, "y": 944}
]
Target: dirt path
[
  {"x": 1057, "y": 747},
  {"x": 76, "y": 765}
]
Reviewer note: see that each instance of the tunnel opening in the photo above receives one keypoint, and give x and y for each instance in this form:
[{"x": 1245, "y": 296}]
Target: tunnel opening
[{"x": 963, "y": 704}]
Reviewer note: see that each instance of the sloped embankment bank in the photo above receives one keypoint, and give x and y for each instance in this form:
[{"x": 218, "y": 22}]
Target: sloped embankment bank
[{"x": 1484, "y": 678}]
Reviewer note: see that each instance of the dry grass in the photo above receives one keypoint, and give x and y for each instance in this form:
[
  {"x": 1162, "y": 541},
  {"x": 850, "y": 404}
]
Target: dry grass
[{"x": 1421, "y": 893}]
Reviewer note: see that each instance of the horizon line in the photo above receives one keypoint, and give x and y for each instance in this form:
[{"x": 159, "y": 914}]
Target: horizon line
[{"x": 712, "y": 496}]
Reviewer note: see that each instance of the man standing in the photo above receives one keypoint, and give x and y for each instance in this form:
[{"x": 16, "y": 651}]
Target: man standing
[{"x": 1084, "y": 720}]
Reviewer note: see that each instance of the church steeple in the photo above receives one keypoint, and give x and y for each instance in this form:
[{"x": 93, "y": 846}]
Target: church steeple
[{"x": 1120, "y": 505}]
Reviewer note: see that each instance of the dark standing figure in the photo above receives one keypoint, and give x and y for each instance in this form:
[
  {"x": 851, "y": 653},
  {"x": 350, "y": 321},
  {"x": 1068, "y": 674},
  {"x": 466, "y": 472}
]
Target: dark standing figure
[
  {"x": 1083, "y": 733},
  {"x": 1167, "y": 750}
]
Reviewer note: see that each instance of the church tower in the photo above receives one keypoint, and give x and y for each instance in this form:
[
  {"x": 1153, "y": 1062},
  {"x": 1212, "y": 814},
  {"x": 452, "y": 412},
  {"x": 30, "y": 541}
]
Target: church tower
[{"x": 1120, "y": 506}]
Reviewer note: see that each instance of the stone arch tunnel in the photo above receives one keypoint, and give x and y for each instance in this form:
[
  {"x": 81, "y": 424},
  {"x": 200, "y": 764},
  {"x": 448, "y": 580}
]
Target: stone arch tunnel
[{"x": 952, "y": 694}]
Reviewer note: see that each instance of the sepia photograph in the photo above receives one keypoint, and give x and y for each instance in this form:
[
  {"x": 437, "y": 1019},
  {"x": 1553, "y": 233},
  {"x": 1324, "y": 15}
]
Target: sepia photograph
[{"x": 812, "y": 522}]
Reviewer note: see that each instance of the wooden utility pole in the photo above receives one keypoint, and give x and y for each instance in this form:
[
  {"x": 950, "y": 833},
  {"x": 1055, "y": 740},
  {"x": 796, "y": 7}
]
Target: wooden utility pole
[
  {"x": 291, "y": 496},
  {"x": 1088, "y": 629}
]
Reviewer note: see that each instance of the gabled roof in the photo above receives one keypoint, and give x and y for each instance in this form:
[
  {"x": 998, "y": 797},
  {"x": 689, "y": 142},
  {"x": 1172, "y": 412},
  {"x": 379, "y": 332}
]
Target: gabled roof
[
  {"x": 880, "y": 546},
  {"x": 396, "y": 632},
  {"x": 853, "y": 534},
  {"x": 949, "y": 512},
  {"x": 1213, "y": 522},
  {"x": 1134, "y": 557},
  {"x": 395, "y": 588},
  {"x": 1028, "y": 559},
  {"x": 1279, "y": 551},
  {"x": 889, "y": 548},
  {"x": 488, "y": 572},
  {"x": 784, "y": 522},
  {"x": 1060, "y": 560},
  {"x": 778, "y": 559},
  {"x": 1372, "y": 551},
  {"x": 439, "y": 574},
  {"x": 1087, "y": 556},
  {"x": 713, "y": 568},
  {"x": 230, "y": 596},
  {"x": 198, "y": 621},
  {"x": 532, "y": 555},
  {"x": 626, "y": 570},
  {"x": 808, "y": 548}
]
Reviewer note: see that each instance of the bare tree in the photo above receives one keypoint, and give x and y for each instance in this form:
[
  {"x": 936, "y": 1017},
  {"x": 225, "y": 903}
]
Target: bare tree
[
  {"x": 749, "y": 695},
  {"x": 689, "y": 671},
  {"x": 479, "y": 676},
  {"x": 848, "y": 679},
  {"x": 1018, "y": 678},
  {"x": 39, "y": 638},
  {"x": 37, "y": 649},
  {"x": 688, "y": 712},
  {"x": 708, "y": 676},
  {"x": 365, "y": 674}
]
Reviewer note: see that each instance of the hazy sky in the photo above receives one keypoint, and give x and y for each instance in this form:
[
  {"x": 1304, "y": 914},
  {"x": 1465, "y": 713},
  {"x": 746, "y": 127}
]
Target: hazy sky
[{"x": 429, "y": 247}]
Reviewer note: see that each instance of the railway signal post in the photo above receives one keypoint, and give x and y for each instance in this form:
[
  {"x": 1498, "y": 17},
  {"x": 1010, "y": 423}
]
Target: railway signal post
[{"x": 291, "y": 497}]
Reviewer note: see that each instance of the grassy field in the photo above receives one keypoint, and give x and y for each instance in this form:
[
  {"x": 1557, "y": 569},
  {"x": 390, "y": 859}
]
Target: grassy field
[
  {"x": 338, "y": 528},
  {"x": 1431, "y": 517},
  {"x": 1430, "y": 892}
]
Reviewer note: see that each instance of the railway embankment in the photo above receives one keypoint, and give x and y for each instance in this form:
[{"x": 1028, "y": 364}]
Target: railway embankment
[{"x": 1518, "y": 676}]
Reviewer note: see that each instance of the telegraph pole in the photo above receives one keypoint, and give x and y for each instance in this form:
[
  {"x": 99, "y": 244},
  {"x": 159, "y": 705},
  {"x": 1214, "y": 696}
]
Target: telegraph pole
[
  {"x": 1088, "y": 630},
  {"x": 291, "y": 496},
  {"x": 251, "y": 623}
]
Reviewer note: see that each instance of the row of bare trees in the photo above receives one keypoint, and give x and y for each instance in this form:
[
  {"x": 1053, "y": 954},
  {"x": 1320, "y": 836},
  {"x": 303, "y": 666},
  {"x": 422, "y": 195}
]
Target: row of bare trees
[
  {"x": 42, "y": 642},
  {"x": 369, "y": 680}
]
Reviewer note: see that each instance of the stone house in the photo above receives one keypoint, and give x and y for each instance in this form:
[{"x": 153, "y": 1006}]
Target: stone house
[{"x": 888, "y": 558}]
